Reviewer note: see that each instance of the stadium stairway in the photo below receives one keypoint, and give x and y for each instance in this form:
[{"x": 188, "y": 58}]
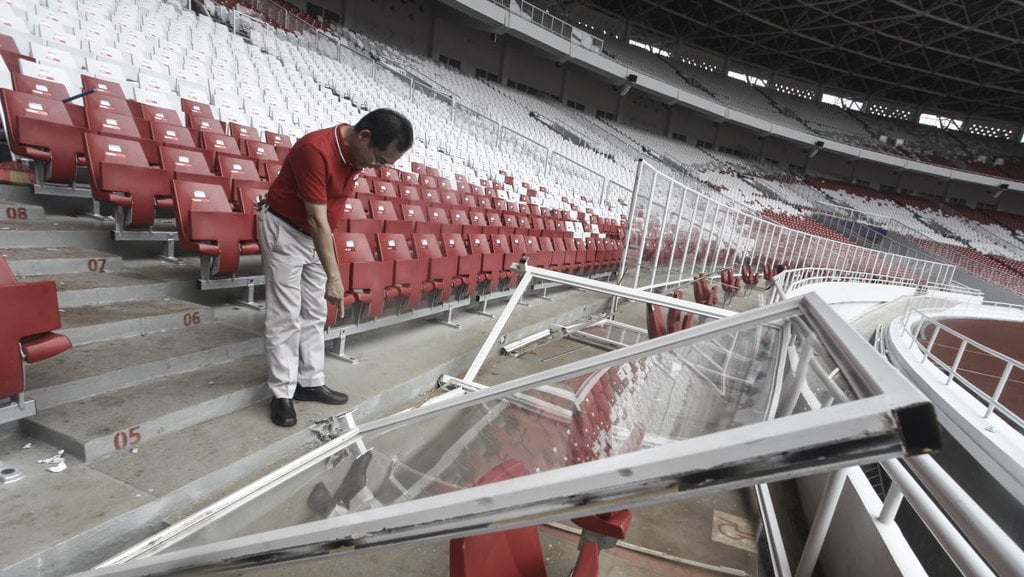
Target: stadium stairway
[{"x": 160, "y": 404}]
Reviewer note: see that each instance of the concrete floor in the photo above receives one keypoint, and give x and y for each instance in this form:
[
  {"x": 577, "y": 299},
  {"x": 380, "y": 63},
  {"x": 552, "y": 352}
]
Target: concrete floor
[{"x": 63, "y": 522}]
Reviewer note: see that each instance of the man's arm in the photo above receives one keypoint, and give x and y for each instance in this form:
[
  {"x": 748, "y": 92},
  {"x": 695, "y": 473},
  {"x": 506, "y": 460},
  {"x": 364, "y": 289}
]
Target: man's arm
[{"x": 323, "y": 240}]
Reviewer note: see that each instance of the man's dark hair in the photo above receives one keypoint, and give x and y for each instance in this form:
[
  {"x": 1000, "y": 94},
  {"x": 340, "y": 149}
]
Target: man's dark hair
[{"x": 387, "y": 126}]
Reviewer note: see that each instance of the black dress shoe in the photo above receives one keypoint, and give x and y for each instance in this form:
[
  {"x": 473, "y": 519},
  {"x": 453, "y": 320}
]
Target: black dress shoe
[
  {"x": 282, "y": 412},
  {"x": 320, "y": 395}
]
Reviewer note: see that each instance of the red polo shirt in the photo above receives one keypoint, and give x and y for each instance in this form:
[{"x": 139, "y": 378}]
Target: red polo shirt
[{"x": 317, "y": 170}]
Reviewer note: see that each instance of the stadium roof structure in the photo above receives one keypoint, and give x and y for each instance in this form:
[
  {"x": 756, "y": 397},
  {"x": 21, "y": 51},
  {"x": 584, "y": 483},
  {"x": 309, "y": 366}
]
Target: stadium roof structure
[{"x": 955, "y": 56}]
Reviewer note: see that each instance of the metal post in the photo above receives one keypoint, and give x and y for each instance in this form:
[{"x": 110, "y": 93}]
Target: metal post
[
  {"x": 956, "y": 362},
  {"x": 999, "y": 389},
  {"x": 931, "y": 343},
  {"x": 689, "y": 238},
  {"x": 822, "y": 520},
  {"x": 959, "y": 551},
  {"x": 891, "y": 506}
]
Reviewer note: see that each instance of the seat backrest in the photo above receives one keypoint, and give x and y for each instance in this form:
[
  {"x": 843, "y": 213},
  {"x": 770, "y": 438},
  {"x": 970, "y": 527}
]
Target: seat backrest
[
  {"x": 196, "y": 110},
  {"x": 244, "y": 132},
  {"x": 154, "y": 113},
  {"x": 112, "y": 150},
  {"x": 203, "y": 124},
  {"x": 437, "y": 215},
  {"x": 655, "y": 322},
  {"x": 102, "y": 86},
  {"x": 237, "y": 168},
  {"x": 219, "y": 143},
  {"x": 248, "y": 192},
  {"x": 186, "y": 161},
  {"x": 259, "y": 150},
  {"x": 409, "y": 192},
  {"x": 353, "y": 209},
  {"x": 106, "y": 122},
  {"x": 282, "y": 140},
  {"x": 383, "y": 210},
  {"x": 500, "y": 244},
  {"x": 351, "y": 247},
  {"x": 459, "y": 216},
  {"x": 393, "y": 246},
  {"x": 430, "y": 195},
  {"x": 21, "y": 104},
  {"x": 108, "y": 102},
  {"x": 170, "y": 134},
  {"x": 414, "y": 213},
  {"x": 426, "y": 246},
  {"x": 38, "y": 86},
  {"x": 454, "y": 245},
  {"x": 479, "y": 244},
  {"x": 187, "y": 194},
  {"x": 517, "y": 244}
]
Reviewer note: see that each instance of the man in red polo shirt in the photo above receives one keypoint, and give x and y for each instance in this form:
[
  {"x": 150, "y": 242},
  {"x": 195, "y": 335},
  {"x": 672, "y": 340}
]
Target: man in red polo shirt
[{"x": 304, "y": 204}]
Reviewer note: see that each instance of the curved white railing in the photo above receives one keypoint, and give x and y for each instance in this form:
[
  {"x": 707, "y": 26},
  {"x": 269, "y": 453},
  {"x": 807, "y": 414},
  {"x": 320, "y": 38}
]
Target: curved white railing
[
  {"x": 787, "y": 281},
  {"x": 925, "y": 330}
]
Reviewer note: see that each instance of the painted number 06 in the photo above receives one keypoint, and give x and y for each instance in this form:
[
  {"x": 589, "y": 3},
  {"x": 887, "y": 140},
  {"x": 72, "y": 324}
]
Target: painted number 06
[
  {"x": 192, "y": 318},
  {"x": 127, "y": 438}
]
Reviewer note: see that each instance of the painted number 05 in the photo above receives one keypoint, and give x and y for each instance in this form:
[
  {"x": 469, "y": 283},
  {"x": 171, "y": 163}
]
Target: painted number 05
[{"x": 127, "y": 438}]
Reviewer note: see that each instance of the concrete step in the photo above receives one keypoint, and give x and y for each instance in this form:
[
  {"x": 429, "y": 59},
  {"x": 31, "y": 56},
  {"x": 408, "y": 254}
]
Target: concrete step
[
  {"x": 112, "y": 365},
  {"x": 60, "y": 260},
  {"x": 151, "y": 282},
  {"x": 93, "y": 323},
  {"x": 125, "y": 419},
  {"x": 20, "y": 213}
]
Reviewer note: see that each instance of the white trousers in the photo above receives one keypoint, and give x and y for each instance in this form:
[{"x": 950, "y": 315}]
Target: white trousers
[{"x": 295, "y": 307}]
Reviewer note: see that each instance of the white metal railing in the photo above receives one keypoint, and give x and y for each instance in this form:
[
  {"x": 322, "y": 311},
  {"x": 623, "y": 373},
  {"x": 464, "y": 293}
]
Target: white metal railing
[
  {"x": 925, "y": 331},
  {"x": 676, "y": 232},
  {"x": 551, "y": 23},
  {"x": 787, "y": 281}
]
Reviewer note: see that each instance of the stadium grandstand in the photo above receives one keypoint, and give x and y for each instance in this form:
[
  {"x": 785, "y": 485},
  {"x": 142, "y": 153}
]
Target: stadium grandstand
[{"x": 660, "y": 288}]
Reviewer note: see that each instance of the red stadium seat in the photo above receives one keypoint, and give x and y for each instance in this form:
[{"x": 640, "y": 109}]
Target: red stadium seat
[
  {"x": 31, "y": 312},
  {"x": 41, "y": 129},
  {"x": 443, "y": 270},
  {"x": 119, "y": 174},
  {"x": 367, "y": 280},
  {"x": 207, "y": 225},
  {"x": 412, "y": 276}
]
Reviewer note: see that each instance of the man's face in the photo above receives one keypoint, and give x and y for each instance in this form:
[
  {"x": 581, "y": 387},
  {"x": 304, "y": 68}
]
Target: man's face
[{"x": 365, "y": 155}]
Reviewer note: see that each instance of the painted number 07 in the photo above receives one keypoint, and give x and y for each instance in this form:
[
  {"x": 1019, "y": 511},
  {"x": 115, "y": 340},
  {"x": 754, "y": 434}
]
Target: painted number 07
[{"x": 127, "y": 438}]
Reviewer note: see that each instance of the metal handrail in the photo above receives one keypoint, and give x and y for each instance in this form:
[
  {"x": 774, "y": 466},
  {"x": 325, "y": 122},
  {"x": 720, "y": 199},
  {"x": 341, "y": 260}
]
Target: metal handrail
[
  {"x": 789, "y": 280},
  {"x": 916, "y": 332}
]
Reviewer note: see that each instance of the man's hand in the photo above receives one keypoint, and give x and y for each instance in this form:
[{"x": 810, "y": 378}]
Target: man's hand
[{"x": 335, "y": 291}]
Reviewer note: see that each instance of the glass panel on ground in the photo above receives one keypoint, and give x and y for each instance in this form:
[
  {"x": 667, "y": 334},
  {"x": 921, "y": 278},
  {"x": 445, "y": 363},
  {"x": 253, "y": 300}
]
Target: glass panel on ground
[{"x": 769, "y": 394}]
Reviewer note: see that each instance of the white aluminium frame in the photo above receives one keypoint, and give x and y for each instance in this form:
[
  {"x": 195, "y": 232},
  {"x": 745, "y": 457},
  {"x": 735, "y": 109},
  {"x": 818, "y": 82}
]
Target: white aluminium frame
[{"x": 888, "y": 418}]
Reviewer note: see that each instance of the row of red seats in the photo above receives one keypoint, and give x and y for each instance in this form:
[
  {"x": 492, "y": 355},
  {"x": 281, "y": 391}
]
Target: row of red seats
[
  {"x": 395, "y": 269},
  {"x": 372, "y": 214},
  {"x": 806, "y": 224},
  {"x": 43, "y": 127}
]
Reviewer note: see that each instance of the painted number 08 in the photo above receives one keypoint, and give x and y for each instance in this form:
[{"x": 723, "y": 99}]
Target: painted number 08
[
  {"x": 127, "y": 438},
  {"x": 14, "y": 213}
]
